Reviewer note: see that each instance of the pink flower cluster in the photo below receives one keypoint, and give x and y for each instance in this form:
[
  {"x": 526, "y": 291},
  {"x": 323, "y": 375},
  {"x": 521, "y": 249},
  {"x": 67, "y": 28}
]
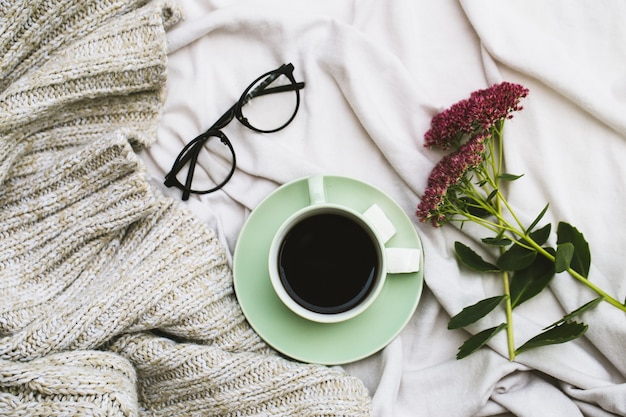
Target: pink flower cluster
[
  {"x": 466, "y": 127},
  {"x": 474, "y": 115},
  {"x": 448, "y": 172}
]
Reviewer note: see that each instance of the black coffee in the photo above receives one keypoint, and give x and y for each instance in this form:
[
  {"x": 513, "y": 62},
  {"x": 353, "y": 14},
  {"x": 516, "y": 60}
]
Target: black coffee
[{"x": 328, "y": 263}]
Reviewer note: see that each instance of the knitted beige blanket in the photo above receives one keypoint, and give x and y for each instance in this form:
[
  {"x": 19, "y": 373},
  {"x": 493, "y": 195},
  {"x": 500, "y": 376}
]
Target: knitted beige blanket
[{"x": 114, "y": 300}]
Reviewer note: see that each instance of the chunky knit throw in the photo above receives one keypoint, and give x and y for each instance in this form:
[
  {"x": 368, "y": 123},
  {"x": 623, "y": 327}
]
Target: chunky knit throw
[{"x": 115, "y": 300}]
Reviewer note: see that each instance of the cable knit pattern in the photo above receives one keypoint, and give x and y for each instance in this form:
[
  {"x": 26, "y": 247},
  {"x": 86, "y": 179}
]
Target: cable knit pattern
[
  {"x": 114, "y": 299},
  {"x": 78, "y": 383},
  {"x": 190, "y": 379}
]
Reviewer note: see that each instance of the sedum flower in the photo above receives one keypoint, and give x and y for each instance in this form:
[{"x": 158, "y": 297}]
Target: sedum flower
[
  {"x": 448, "y": 172},
  {"x": 476, "y": 114}
]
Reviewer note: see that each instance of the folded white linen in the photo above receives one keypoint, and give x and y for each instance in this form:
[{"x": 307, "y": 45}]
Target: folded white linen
[{"x": 375, "y": 73}]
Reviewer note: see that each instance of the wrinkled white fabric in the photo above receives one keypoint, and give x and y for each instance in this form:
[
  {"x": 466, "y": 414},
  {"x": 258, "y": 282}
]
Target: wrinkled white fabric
[{"x": 376, "y": 71}]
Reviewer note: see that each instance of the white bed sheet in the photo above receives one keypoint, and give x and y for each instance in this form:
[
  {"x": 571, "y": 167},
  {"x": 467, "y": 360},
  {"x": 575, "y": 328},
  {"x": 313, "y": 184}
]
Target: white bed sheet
[{"x": 376, "y": 71}]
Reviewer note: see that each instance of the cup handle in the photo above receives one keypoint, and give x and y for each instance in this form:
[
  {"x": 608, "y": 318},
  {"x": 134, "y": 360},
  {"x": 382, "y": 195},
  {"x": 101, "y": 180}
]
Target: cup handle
[
  {"x": 402, "y": 260},
  {"x": 317, "y": 191},
  {"x": 399, "y": 260}
]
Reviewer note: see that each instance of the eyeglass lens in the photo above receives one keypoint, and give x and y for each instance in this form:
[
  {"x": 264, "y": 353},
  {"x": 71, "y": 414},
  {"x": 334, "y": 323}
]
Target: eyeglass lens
[{"x": 270, "y": 103}]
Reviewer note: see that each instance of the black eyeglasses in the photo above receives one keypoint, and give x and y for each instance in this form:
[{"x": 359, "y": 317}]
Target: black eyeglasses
[{"x": 252, "y": 111}]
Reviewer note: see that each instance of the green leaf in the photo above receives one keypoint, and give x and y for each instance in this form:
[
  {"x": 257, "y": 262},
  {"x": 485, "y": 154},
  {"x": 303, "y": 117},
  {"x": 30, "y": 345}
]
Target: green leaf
[
  {"x": 472, "y": 260},
  {"x": 579, "y": 311},
  {"x": 555, "y": 335},
  {"x": 564, "y": 255},
  {"x": 497, "y": 241},
  {"x": 530, "y": 281},
  {"x": 539, "y": 217},
  {"x": 478, "y": 212},
  {"x": 475, "y": 210},
  {"x": 581, "y": 260},
  {"x": 477, "y": 341},
  {"x": 541, "y": 236},
  {"x": 509, "y": 177},
  {"x": 516, "y": 258},
  {"x": 492, "y": 194},
  {"x": 474, "y": 312}
]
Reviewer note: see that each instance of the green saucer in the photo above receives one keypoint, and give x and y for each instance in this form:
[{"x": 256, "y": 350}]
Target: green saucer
[{"x": 301, "y": 339}]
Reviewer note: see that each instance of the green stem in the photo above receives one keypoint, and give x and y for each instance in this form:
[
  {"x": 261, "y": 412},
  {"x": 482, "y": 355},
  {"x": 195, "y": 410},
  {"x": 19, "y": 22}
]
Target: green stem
[
  {"x": 597, "y": 290},
  {"x": 511, "y": 212},
  {"x": 494, "y": 227},
  {"x": 508, "y": 308},
  {"x": 509, "y": 316},
  {"x": 508, "y": 311}
]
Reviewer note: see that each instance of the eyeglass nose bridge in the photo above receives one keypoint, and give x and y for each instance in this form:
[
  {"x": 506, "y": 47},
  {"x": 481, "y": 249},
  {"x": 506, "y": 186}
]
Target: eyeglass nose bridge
[{"x": 223, "y": 121}]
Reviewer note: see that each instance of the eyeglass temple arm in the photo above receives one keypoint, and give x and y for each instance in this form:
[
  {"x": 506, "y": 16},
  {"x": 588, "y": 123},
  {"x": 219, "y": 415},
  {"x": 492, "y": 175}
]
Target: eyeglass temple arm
[
  {"x": 260, "y": 90},
  {"x": 189, "y": 153},
  {"x": 279, "y": 89},
  {"x": 189, "y": 179}
]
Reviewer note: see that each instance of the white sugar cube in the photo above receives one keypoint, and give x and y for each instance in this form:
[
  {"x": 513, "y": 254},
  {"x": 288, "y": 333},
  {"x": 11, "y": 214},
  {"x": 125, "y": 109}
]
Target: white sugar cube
[{"x": 380, "y": 221}]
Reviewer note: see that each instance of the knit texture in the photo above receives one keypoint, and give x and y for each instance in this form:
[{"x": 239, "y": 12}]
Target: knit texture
[{"x": 114, "y": 299}]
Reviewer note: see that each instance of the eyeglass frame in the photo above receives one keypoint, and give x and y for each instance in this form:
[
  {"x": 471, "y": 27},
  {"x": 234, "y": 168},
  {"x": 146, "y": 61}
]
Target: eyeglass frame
[{"x": 191, "y": 150}]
